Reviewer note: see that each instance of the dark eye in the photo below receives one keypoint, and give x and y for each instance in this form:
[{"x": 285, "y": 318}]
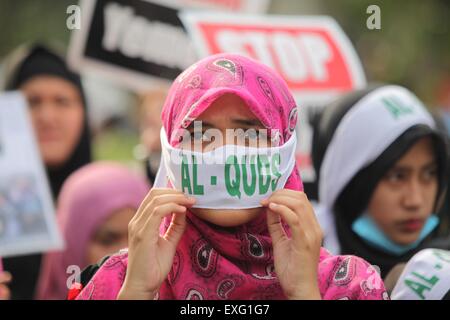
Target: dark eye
[
  {"x": 429, "y": 174},
  {"x": 107, "y": 240},
  {"x": 251, "y": 134},
  {"x": 63, "y": 101},
  {"x": 197, "y": 135},
  {"x": 34, "y": 101},
  {"x": 395, "y": 176}
]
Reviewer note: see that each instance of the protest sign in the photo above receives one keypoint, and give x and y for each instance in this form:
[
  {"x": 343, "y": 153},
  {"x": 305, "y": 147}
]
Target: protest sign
[
  {"x": 311, "y": 53},
  {"x": 244, "y": 6},
  {"x": 140, "y": 43},
  {"x": 136, "y": 43},
  {"x": 27, "y": 215}
]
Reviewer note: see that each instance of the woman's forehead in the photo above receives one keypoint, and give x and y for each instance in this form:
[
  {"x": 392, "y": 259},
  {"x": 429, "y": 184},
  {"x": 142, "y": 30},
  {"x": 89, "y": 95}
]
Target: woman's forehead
[
  {"x": 421, "y": 153},
  {"x": 49, "y": 84},
  {"x": 229, "y": 108}
]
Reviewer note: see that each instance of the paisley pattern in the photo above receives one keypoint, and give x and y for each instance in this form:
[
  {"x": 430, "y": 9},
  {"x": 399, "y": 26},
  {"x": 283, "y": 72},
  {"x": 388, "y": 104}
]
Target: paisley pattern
[
  {"x": 204, "y": 258},
  {"x": 345, "y": 272},
  {"x": 177, "y": 268},
  {"x": 193, "y": 292},
  {"x": 226, "y": 64},
  {"x": 228, "y": 285}
]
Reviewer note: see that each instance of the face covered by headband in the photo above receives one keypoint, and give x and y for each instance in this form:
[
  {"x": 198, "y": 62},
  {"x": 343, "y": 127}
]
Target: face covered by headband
[{"x": 230, "y": 176}]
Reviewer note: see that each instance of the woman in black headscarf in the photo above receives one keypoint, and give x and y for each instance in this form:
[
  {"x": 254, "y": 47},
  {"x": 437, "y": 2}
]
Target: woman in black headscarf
[
  {"x": 51, "y": 87},
  {"x": 59, "y": 115},
  {"x": 382, "y": 167}
]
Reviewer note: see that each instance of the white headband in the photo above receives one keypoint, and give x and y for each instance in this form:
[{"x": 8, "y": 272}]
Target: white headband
[
  {"x": 425, "y": 277},
  {"x": 222, "y": 184}
]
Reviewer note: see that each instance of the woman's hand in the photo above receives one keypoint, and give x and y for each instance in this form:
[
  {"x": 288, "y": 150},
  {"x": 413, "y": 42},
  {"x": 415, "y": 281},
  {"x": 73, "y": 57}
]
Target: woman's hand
[
  {"x": 5, "y": 278},
  {"x": 296, "y": 258},
  {"x": 150, "y": 256}
]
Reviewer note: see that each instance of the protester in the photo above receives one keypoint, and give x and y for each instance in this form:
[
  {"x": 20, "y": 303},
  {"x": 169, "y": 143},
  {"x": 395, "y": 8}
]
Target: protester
[
  {"x": 58, "y": 110},
  {"x": 382, "y": 174},
  {"x": 59, "y": 115},
  {"x": 264, "y": 244},
  {"x": 425, "y": 277},
  {"x": 96, "y": 204}
]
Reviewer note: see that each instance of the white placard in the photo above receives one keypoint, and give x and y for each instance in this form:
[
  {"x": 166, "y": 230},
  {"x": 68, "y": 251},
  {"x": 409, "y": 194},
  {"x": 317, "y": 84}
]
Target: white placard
[{"x": 27, "y": 215}]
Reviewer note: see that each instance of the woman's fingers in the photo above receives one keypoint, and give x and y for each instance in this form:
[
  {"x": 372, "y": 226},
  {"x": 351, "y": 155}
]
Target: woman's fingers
[
  {"x": 276, "y": 230},
  {"x": 176, "y": 228},
  {"x": 154, "y": 192},
  {"x": 291, "y": 218},
  {"x": 146, "y": 229},
  {"x": 150, "y": 230},
  {"x": 293, "y": 193},
  {"x": 299, "y": 203},
  {"x": 159, "y": 200},
  {"x": 150, "y": 255},
  {"x": 295, "y": 200}
]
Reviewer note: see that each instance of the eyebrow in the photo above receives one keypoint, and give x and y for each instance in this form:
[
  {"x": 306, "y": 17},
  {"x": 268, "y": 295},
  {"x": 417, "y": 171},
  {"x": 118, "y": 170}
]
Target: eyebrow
[
  {"x": 237, "y": 121},
  {"x": 247, "y": 122},
  {"x": 433, "y": 163},
  {"x": 204, "y": 124},
  {"x": 108, "y": 232}
]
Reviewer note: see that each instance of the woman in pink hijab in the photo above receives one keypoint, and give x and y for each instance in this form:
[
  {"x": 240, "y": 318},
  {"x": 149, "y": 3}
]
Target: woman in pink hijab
[
  {"x": 94, "y": 209},
  {"x": 189, "y": 240}
]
